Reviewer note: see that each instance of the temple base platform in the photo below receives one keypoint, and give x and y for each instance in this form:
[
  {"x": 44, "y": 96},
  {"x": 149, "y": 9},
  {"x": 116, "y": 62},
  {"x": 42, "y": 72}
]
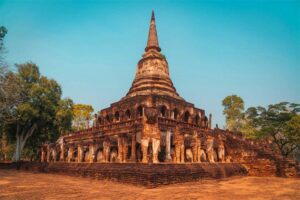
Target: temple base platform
[{"x": 149, "y": 175}]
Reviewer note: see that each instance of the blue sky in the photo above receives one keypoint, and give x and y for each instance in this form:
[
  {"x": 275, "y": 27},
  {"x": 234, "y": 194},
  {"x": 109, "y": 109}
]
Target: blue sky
[{"x": 214, "y": 48}]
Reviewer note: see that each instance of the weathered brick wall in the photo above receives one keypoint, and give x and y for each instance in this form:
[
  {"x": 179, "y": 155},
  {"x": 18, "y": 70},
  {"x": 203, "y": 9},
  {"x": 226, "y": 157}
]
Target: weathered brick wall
[
  {"x": 258, "y": 159},
  {"x": 149, "y": 175}
]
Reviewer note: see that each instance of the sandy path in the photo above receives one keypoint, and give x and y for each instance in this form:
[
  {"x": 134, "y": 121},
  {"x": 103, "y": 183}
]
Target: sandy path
[{"x": 24, "y": 185}]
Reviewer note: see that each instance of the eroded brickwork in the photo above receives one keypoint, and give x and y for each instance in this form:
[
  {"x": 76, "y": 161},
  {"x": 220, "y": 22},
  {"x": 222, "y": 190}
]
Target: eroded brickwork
[{"x": 150, "y": 175}]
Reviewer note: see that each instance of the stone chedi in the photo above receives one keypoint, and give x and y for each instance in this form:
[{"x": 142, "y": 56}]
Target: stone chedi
[{"x": 154, "y": 124}]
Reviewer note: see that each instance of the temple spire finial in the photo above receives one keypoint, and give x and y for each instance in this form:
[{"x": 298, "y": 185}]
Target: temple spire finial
[
  {"x": 152, "y": 17},
  {"x": 152, "y": 42}
]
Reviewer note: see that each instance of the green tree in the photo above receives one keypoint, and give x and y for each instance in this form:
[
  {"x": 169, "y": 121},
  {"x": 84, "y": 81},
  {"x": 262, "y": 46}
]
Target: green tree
[
  {"x": 64, "y": 116},
  {"x": 233, "y": 111},
  {"x": 279, "y": 122},
  {"x": 10, "y": 97},
  {"x": 82, "y": 116},
  {"x": 41, "y": 112},
  {"x": 3, "y": 32}
]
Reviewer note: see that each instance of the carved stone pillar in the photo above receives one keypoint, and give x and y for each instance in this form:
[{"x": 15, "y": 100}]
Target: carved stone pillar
[
  {"x": 43, "y": 156},
  {"x": 199, "y": 154},
  {"x": 125, "y": 149},
  {"x": 106, "y": 150},
  {"x": 179, "y": 146},
  {"x": 133, "y": 147},
  {"x": 195, "y": 147},
  {"x": 177, "y": 152},
  {"x": 48, "y": 153},
  {"x": 182, "y": 149},
  {"x": 210, "y": 121},
  {"x": 70, "y": 154},
  {"x": 195, "y": 151},
  {"x": 120, "y": 148},
  {"x": 198, "y": 142},
  {"x": 79, "y": 153},
  {"x": 54, "y": 154},
  {"x": 145, "y": 143},
  {"x": 155, "y": 147},
  {"x": 168, "y": 146},
  {"x": 62, "y": 153},
  {"x": 92, "y": 150}
]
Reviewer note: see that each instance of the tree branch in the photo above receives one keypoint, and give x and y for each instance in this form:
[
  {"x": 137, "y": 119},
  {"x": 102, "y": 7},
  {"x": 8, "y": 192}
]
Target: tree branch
[{"x": 29, "y": 133}]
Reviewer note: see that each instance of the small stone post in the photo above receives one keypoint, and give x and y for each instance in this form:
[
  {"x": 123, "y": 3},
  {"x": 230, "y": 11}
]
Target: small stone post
[
  {"x": 168, "y": 146},
  {"x": 210, "y": 121}
]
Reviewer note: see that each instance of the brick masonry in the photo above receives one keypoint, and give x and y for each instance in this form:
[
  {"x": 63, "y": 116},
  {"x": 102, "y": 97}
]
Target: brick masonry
[{"x": 149, "y": 175}]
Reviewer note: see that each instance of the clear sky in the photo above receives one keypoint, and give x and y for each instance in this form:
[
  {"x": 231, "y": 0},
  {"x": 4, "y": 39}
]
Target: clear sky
[{"x": 214, "y": 48}]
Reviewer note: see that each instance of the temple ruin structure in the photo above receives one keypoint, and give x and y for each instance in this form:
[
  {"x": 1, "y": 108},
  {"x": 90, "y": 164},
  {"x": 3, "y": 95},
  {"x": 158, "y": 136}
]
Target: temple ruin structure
[{"x": 153, "y": 124}]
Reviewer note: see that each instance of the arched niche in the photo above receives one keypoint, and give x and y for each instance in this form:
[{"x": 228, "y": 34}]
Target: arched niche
[
  {"x": 128, "y": 114},
  {"x": 163, "y": 111},
  {"x": 117, "y": 116},
  {"x": 140, "y": 111},
  {"x": 186, "y": 116},
  {"x": 175, "y": 113}
]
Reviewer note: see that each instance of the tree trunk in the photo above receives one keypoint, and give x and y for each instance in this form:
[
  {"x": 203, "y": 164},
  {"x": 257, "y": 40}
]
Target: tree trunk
[
  {"x": 4, "y": 145},
  {"x": 17, "y": 155},
  {"x": 21, "y": 141}
]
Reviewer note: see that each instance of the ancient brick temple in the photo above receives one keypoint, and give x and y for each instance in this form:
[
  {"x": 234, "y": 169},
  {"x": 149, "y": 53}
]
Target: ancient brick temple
[{"x": 154, "y": 124}]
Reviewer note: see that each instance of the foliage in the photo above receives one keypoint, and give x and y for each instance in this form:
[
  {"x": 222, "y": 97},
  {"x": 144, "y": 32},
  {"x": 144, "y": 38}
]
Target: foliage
[
  {"x": 82, "y": 116},
  {"x": 233, "y": 111},
  {"x": 10, "y": 95},
  {"x": 42, "y": 111},
  {"x": 29, "y": 104},
  {"x": 64, "y": 116},
  {"x": 3, "y": 32},
  {"x": 279, "y": 122}
]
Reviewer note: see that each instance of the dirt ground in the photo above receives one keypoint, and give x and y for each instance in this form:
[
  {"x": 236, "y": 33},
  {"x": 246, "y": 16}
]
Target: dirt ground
[{"x": 15, "y": 185}]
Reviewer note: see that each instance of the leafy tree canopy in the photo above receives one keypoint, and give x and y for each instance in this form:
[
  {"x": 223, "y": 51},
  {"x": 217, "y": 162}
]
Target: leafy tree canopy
[
  {"x": 42, "y": 111},
  {"x": 233, "y": 111},
  {"x": 82, "y": 116},
  {"x": 279, "y": 122},
  {"x": 3, "y": 32}
]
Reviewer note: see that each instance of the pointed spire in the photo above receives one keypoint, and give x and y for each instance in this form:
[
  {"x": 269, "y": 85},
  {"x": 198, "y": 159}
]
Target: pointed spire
[{"x": 152, "y": 37}]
